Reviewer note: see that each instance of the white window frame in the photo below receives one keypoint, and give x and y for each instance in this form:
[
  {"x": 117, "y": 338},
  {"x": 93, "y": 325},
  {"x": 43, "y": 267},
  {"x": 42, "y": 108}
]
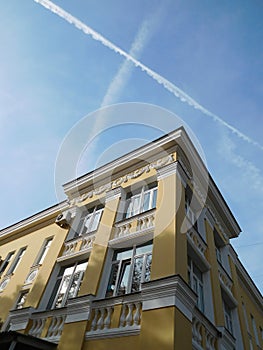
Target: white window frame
[
  {"x": 129, "y": 261},
  {"x": 22, "y": 299},
  {"x": 62, "y": 279},
  {"x": 135, "y": 203},
  {"x": 190, "y": 213},
  {"x": 6, "y": 262},
  {"x": 218, "y": 255},
  {"x": 196, "y": 283},
  {"x": 254, "y": 326},
  {"x": 17, "y": 261},
  {"x": 228, "y": 314},
  {"x": 43, "y": 251},
  {"x": 90, "y": 219}
]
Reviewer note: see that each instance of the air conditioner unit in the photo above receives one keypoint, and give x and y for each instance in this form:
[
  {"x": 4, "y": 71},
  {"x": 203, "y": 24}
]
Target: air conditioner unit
[{"x": 63, "y": 219}]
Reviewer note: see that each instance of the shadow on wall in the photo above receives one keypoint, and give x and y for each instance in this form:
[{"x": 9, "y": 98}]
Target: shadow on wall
[{"x": 9, "y": 302}]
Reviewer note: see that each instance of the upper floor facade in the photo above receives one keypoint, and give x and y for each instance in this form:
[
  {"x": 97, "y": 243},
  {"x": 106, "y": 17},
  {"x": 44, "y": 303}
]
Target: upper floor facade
[{"x": 139, "y": 254}]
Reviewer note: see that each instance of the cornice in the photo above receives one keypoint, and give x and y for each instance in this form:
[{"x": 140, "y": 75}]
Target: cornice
[
  {"x": 245, "y": 278},
  {"x": 169, "y": 291},
  {"x": 33, "y": 220},
  {"x": 140, "y": 153},
  {"x": 115, "y": 184}
]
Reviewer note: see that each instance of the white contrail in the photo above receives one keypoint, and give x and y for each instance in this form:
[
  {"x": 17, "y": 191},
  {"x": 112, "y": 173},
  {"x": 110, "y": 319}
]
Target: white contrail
[
  {"x": 160, "y": 79},
  {"x": 142, "y": 37}
]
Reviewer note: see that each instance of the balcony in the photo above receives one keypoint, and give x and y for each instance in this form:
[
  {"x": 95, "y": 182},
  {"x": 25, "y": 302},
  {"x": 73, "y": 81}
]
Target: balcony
[
  {"x": 118, "y": 316},
  {"x": 204, "y": 333},
  {"x": 48, "y": 325},
  {"x": 197, "y": 244},
  {"x": 225, "y": 279},
  {"x": 137, "y": 227},
  {"x": 77, "y": 246}
]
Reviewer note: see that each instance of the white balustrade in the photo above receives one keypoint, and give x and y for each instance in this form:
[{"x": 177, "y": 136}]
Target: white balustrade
[
  {"x": 101, "y": 318},
  {"x": 70, "y": 247},
  {"x": 142, "y": 222},
  {"x": 131, "y": 314},
  {"x": 210, "y": 341},
  {"x": 224, "y": 278},
  {"x": 146, "y": 222},
  {"x": 56, "y": 327},
  {"x": 203, "y": 331},
  {"x": 37, "y": 326},
  {"x": 196, "y": 329},
  {"x": 87, "y": 242},
  {"x": 196, "y": 240},
  {"x": 123, "y": 229}
]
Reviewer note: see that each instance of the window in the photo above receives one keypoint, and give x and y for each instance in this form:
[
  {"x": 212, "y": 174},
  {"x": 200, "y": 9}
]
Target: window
[
  {"x": 141, "y": 200},
  {"x": 6, "y": 262},
  {"x": 21, "y": 300},
  {"x": 43, "y": 251},
  {"x": 218, "y": 255},
  {"x": 68, "y": 283},
  {"x": 245, "y": 315},
  {"x": 228, "y": 317},
  {"x": 195, "y": 280},
  {"x": 189, "y": 211},
  {"x": 17, "y": 261},
  {"x": 129, "y": 269},
  {"x": 89, "y": 220},
  {"x": 254, "y": 329}
]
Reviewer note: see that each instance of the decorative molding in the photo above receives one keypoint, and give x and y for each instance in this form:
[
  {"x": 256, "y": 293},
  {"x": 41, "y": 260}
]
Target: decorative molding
[
  {"x": 18, "y": 319},
  {"x": 228, "y": 341},
  {"x": 4, "y": 283},
  {"x": 34, "y": 219},
  {"x": 78, "y": 309},
  {"x": 169, "y": 291},
  {"x": 113, "y": 332},
  {"x": 118, "y": 182},
  {"x": 114, "y": 193}
]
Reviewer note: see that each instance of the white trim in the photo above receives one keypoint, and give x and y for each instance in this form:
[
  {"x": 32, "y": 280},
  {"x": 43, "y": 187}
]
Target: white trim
[
  {"x": 173, "y": 168},
  {"x": 78, "y": 309},
  {"x": 113, "y": 332},
  {"x": 34, "y": 219},
  {"x": 138, "y": 237},
  {"x": 114, "y": 193},
  {"x": 171, "y": 291}
]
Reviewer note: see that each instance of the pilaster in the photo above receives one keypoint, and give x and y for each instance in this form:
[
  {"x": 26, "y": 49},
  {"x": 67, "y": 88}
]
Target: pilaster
[{"x": 170, "y": 243}]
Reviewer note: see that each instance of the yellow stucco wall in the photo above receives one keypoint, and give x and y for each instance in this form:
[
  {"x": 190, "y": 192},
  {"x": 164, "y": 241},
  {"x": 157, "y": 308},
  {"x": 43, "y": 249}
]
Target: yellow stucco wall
[{"x": 34, "y": 242}]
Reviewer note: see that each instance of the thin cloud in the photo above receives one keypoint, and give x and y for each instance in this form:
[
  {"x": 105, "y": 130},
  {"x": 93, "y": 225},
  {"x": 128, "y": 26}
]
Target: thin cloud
[
  {"x": 117, "y": 84},
  {"x": 249, "y": 170},
  {"x": 142, "y": 37},
  {"x": 176, "y": 91}
]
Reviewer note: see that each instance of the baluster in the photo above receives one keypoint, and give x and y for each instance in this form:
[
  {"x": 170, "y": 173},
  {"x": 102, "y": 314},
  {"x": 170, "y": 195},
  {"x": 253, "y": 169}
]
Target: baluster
[
  {"x": 61, "y": 321},
  {"x": 137, "y": 315},
  {"x": 129, "y": 316},
  {"x": 100, "y": 323},
  {"x": 51, "y": 328},
  {"x": 94, "y": 321},
  {"x": 123, "y": 315},
  {"x": 107, "y": 320},
  {"x": 151, "y": 219}
]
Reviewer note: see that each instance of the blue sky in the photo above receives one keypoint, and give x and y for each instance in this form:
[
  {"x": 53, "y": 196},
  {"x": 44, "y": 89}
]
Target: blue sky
[{"x": 52, "y": 75}]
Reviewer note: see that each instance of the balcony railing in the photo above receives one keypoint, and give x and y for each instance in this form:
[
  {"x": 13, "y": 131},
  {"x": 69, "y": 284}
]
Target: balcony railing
[
  {"x": 196, "y": 241},
  {"x": 48, "y": 325},
  {"x": 204, "y": 333},
  {"x": 77, "y": 245},
  {"x": 224, "y": 278},
  {"x": 138, "y": 225},
  {"x": 115, "y": 316}
]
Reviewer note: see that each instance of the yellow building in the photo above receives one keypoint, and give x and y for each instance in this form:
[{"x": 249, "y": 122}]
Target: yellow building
[{"x": 138, "y": 257}]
